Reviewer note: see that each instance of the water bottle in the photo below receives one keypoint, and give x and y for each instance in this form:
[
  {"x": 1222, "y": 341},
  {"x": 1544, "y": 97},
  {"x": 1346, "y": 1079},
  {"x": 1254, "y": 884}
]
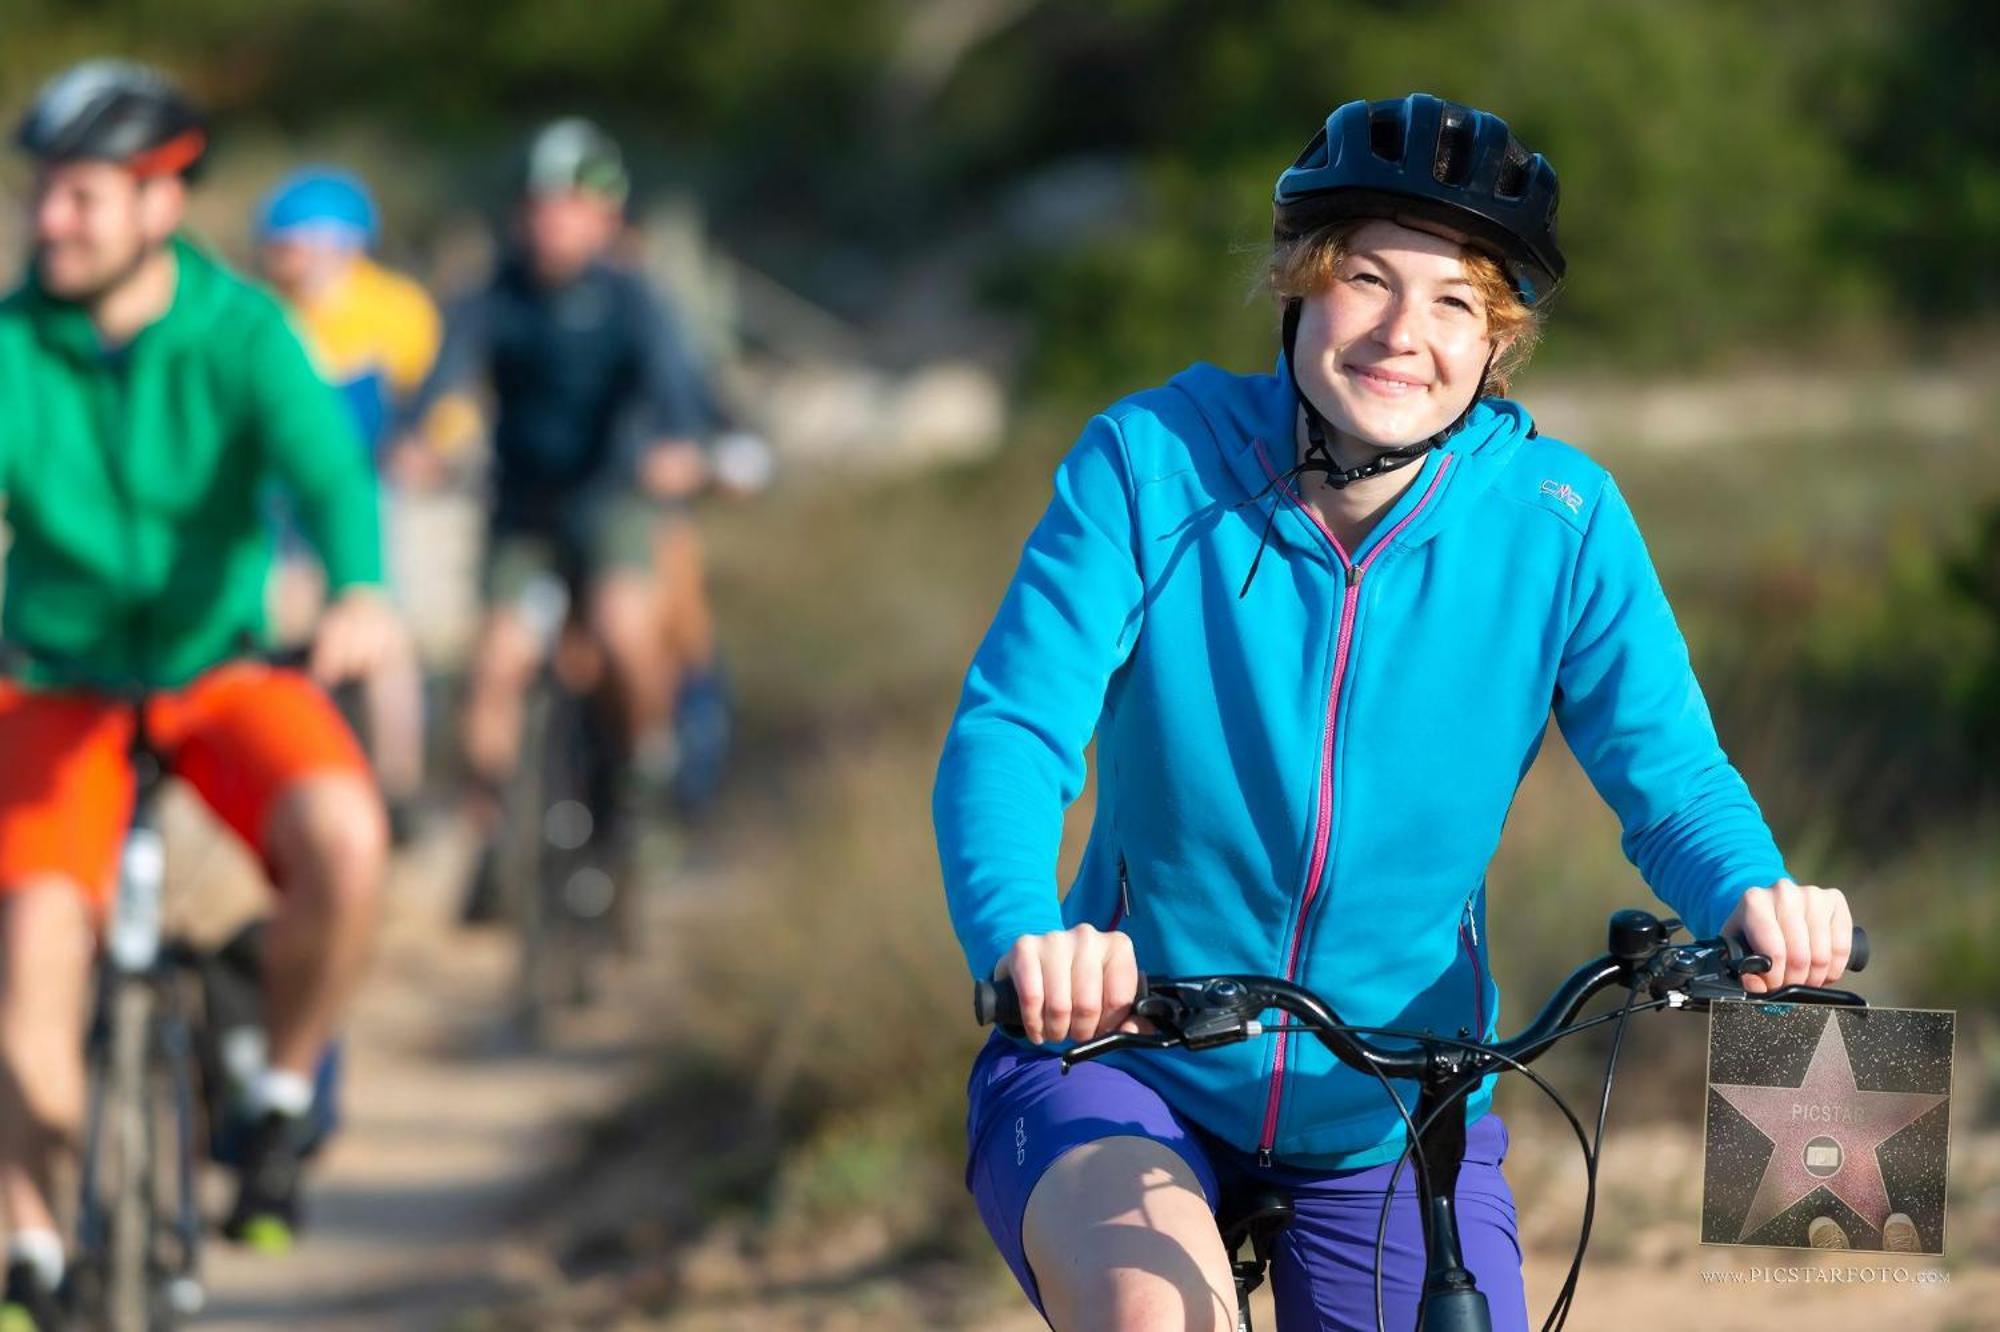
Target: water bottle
[{"x": 134, "y": 936}]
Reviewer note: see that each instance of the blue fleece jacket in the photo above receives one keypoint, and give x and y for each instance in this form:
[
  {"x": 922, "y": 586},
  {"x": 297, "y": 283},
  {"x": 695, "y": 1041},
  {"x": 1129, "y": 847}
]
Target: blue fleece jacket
[{"x": 1311, "y": 779}]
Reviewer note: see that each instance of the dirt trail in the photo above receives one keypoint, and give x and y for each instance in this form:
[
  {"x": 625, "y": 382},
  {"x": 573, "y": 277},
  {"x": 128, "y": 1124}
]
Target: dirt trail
[{"x": 448, "y": 1126}]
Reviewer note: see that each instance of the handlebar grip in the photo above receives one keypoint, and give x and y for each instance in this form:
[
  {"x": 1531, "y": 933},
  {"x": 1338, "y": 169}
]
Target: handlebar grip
[
  {"x": 996, "y": 1003},
  {"x": 1756, "y": 964}
]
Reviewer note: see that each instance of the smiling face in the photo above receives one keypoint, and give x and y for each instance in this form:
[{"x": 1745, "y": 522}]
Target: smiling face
[{"x": 1391, "y": 348}]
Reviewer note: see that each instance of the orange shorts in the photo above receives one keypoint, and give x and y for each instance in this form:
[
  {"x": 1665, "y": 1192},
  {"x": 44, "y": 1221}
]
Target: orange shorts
[{"x": 241, "y": 735}]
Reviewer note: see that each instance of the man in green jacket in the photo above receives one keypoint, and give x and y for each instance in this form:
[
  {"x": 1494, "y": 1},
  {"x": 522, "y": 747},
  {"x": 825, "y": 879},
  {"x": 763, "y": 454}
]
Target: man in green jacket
[{"x": 147, "y": 395}]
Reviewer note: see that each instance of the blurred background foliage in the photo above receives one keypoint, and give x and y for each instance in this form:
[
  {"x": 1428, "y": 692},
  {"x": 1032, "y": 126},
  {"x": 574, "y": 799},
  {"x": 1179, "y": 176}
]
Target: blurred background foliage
[{"x": 1734, "y": 175}]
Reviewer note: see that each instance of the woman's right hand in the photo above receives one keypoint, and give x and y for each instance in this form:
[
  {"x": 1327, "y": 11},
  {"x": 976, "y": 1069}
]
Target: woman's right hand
[{"x": 1074, "y": 984}]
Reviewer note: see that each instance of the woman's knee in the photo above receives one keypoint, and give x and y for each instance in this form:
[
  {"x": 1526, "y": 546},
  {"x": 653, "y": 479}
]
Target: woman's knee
[{"x": 1120, "y": 1235}]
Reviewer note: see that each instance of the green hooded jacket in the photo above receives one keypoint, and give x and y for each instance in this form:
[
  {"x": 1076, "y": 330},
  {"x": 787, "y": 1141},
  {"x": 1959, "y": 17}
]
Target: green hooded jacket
[{"x": 134, "y": 477}]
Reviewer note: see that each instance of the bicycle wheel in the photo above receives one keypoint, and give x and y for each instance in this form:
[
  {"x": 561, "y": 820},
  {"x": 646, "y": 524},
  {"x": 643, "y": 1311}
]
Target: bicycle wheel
[
  {"x": 575, "y": 890},
  {"x": 610, "y": 909},
  {"x": 116, "y": 1220},
  {"x": 521, "y": 864},
  {"x": 549, "y": 829}
]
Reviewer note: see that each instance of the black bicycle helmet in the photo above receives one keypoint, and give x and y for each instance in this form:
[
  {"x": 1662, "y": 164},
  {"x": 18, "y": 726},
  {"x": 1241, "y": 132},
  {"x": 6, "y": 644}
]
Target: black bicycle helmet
[
  {"x": 1425, "y": 156},
  {"x": 115, "y": 111}
]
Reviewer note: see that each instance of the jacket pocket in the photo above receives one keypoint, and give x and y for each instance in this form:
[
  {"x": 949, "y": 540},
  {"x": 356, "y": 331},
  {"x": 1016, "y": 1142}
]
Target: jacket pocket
[
  {"x": 1121, "y": 910},
  {"x": 1468, "y": 939}
]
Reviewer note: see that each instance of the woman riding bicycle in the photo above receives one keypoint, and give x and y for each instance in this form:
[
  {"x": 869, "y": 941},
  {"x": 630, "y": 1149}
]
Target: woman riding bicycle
[{"x": 1317, "y": 622}]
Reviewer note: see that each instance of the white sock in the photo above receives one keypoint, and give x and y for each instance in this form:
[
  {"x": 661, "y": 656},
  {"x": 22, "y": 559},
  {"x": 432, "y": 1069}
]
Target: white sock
[
  {"x": 41, "y": 1250},
  {"x": 276, "y": 1091}
]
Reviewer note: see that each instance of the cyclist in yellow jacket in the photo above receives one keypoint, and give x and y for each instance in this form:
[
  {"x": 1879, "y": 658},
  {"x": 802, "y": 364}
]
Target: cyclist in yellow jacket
[{"x": 373, "y": 334}]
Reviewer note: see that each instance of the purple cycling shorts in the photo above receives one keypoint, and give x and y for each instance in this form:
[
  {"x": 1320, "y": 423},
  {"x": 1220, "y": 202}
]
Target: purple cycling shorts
[{"x": 1025, "y": 1113}]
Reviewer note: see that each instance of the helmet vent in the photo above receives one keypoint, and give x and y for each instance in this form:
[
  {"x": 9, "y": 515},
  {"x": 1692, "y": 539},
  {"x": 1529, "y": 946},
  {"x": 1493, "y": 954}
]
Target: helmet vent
[
  {"x": 1385, "y": 135},
  {"x": 1314, "y": 157},
  {"x": 1453, "y": 163},
  {"x": 1513, "y": 181},
  {"x": 1426, "y": 157}
]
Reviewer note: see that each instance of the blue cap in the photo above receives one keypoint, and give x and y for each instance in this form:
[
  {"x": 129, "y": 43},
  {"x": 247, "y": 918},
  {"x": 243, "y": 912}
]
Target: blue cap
[{"x": 319, "y": 199}]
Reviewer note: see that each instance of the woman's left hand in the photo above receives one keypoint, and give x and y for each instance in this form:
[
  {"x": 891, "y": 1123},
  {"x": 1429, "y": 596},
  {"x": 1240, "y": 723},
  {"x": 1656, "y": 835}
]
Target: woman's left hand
[{"x": 1806, "y": 931}]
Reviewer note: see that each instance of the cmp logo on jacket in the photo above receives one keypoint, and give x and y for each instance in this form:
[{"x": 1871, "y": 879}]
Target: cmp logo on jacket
[{"x": 1564, "y": 494}]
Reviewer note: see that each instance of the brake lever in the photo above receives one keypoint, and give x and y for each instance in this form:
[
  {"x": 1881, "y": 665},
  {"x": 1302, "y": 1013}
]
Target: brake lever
[
  {"x": 1220, "y": 1011},
  {"x": 1704, "y": 990},
  {"x": 1693, "y": 975},
  {"x": 1810, "y": 994},
  {"x": 1084, "y": 1051}
]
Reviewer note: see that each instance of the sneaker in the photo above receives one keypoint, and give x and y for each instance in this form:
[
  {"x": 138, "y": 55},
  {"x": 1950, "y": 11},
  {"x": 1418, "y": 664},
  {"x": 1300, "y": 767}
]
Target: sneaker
[
  {"x": 28, "y": 1305},
  {"x": 1899, "y": 1235},
  {"x": 266, "y": 1215},
  {"x": 1825, "y": 1233}
]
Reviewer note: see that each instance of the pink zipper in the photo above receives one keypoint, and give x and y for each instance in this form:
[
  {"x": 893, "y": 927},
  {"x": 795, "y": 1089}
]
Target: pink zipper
[
  {"x": 1471, "y": 942},
  {"x": 1323, "y": 829}
]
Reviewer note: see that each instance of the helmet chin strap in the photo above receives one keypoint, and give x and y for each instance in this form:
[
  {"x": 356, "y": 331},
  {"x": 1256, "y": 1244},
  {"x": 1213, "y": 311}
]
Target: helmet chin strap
[{"x": 1319, "y": 454}]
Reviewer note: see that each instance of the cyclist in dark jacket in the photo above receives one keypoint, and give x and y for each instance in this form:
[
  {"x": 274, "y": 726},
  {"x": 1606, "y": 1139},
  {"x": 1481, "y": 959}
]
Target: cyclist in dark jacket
[{"x": 599, "y": 414}]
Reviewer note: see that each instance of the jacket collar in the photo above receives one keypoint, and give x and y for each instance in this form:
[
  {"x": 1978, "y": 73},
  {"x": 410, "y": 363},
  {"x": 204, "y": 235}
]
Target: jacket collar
[
  {"x": 1252, "y": 418},
  {"x": 66, "y": 327}
]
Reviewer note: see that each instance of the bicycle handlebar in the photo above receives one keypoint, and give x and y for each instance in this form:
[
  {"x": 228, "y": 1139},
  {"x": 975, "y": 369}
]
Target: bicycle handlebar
[
  {"x": 998, "y": 1002},
  {"x": 1198, "y": 1012}
]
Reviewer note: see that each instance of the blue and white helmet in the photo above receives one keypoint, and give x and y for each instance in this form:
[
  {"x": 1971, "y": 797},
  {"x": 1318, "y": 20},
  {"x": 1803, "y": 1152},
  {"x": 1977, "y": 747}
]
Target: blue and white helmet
[{"x": 321, "y": 201}]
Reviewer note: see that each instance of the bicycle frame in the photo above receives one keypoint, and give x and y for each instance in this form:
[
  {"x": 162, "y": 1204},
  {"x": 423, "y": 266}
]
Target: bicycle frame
[
  {"x": 560, "y": 873},
  {"x": 140, "y": 1028}
]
